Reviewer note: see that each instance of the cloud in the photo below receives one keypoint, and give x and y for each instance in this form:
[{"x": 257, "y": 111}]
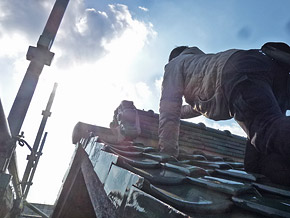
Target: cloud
[
  {"x": 229, "y": 125},
  {"x": 89, "y": 34},
  {"x": 143, "y": 8},
  {"x": 23, "y": 17},
  {"x": 85, "y": 35},
  {"x": 21, "y": 23},
  {"x": 232, "y": 126}
]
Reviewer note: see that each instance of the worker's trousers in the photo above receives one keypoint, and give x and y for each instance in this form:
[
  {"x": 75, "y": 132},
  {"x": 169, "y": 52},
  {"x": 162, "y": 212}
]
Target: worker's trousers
[{"x": 259, "y": 103}]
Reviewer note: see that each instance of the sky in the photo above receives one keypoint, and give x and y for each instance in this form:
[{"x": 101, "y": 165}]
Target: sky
[{"x": 108, "y": 51}]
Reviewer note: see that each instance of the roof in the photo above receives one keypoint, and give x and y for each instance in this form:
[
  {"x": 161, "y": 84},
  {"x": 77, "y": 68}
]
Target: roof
[{"x": 124, "y": 175}]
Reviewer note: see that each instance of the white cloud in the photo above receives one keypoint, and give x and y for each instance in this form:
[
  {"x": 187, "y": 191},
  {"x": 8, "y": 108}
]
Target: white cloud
[
  {"x": 143, "y": 91},
  {"x": 143, "y": 8},
  {"x": 85, "y": 35},
  {"x": 158, "y": 83},
  {"x": 229, "y": 125},
  {"x": 90, "y": 34},
  {"x": 25, "y": 17},
  {"x": 232, "y": 126},
  {"x": 13, "y": 45}
]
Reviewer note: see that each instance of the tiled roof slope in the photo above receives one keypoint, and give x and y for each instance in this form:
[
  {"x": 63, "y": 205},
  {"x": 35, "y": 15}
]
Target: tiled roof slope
[
  {"x": 192, "y": 136},
  {"x": 141, "y": 182},
  {"x": 196, "y": 136}
]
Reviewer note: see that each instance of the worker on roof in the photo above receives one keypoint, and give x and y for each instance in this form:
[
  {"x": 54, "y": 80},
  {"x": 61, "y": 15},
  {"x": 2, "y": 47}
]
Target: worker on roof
[{"x": 246, "y": 85}]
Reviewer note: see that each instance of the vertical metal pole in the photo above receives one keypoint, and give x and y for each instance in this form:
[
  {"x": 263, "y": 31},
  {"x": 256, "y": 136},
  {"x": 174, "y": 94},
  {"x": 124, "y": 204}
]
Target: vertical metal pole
[
  {"x": 32, "y": 158},
  {"x": 39, "y": 56},
  {"x": 39, "y": 153},
  {"x": 24, "y": 96}
]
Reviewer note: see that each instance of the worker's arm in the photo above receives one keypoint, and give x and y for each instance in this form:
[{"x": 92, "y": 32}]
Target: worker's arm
[
  {"x": 170, "y": 108},
  {"x": 187, "y": 111}
]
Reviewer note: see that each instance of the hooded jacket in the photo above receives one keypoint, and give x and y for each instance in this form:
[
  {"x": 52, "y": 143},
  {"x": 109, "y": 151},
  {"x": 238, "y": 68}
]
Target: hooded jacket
[{"x": 198, "y": 78}]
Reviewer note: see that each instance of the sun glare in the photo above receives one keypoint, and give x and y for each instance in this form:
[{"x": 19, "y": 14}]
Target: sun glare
[{"x": 13, "y": 45}]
